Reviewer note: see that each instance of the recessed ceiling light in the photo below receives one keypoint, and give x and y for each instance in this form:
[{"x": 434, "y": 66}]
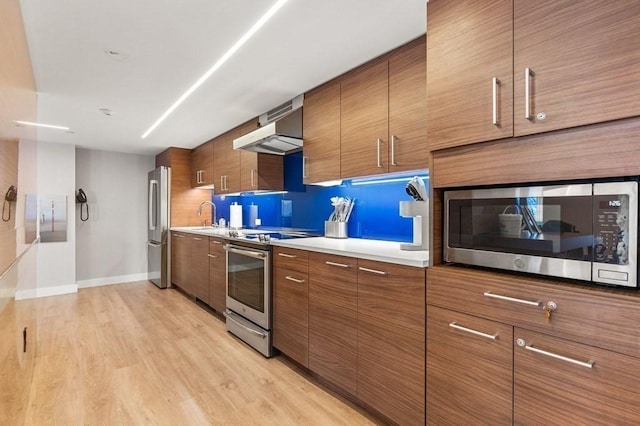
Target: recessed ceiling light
[
  {"x": 263, "y": 20},
  {"x": 48, "y": 126}
]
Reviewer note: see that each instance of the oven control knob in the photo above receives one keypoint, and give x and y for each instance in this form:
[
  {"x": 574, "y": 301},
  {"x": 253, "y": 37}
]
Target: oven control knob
[{"x": 519, "y": 263}]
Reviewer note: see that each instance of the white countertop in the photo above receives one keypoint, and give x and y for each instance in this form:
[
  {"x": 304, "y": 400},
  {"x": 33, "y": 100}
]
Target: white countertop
[{"x": 381, "y": 251}]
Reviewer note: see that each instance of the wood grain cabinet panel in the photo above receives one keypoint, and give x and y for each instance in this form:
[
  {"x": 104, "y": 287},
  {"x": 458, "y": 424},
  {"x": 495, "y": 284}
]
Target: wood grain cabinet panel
[
  {"x": 364, "y": 106},
  {"x": 291, "y": 313},
  {"x": 321, "y": 130},
  {"x": 293, "y": 259},
  {"x": 469, "y": 44},
  {"x": 584, "y": 59},
  {"x": 549, "y": 74},
  {"x": 333, "y": 303},
  {"x": 178, "y": 259},
  {"x": 198, "y": 266},
  {"x": 226, "y": 163},
  {"x": 202, "y": 165},
  {"x": 391, "y": 340},
  {"x": 407, "y": 107},
  {"x": 217, "y": 275},
  {"x": 553, "y": 391},
  {"x": 469, "y": 376}
]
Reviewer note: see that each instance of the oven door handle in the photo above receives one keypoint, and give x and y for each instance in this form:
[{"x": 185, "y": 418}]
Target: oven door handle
[
  {"x": 250, "y": 330},
  {"x": 244, "y": 252}
]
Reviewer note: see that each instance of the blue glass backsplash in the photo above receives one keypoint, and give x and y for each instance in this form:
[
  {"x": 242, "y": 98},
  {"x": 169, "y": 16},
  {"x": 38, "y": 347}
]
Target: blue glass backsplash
[{"x": 375, "y": 214}]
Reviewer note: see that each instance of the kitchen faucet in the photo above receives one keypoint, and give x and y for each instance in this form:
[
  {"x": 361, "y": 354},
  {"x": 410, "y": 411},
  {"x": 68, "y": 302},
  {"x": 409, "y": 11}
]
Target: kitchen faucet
[{"x": 213, "y": 206}]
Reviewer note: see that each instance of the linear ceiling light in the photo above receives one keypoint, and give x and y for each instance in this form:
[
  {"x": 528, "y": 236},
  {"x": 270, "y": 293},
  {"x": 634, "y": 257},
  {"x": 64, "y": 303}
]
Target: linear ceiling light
[
  {"x": 48, "y": 126},
  {"x": 263, "y": 20}
]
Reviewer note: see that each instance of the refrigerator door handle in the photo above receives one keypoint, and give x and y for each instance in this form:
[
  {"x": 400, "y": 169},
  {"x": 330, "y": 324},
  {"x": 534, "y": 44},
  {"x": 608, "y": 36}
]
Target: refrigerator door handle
[
  {"x": 154, "y": 244},
  {"x": 153, "y": 219}
]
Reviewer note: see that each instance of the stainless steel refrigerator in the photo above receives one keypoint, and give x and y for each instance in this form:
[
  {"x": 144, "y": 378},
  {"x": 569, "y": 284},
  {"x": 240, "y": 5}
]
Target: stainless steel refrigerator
[{"x": 158, "y": 263}]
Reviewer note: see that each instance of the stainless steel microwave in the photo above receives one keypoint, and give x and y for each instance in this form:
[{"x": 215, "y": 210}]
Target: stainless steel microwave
[{"x": 586, "y": 231}]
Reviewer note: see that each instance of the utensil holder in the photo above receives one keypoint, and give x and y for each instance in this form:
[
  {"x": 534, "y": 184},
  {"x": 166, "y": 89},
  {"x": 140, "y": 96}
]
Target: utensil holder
[{"x": 335, "y": 229}]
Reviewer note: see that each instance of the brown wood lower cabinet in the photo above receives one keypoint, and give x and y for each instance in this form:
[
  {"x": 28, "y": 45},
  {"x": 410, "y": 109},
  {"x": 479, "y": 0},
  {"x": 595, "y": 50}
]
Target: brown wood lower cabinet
[
  {"x": 333, "y": 332},
  {"x": 291, "y": 313},
  {"x": 217, "y": 275},
  {"x": 511, "y": 361},
  {"x": 469, "y": 369},
  {"x": 391, "y": 340},
  {"x": 178, "y": 259},
  {"x": 557, "y": 381},
  {"x": 198, "y": 266}
]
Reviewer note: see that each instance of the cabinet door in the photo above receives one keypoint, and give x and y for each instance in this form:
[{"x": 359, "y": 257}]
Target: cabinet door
[
  {"x": 584, "y": 59},
  {"x": 407, "y": 108},
  {"x": 333, "y": 302},
  {"x": 391, "y": 340},
  {"x": 198, "y": 264},
  {"x": 226, "y": 164},
  {"x": 560, "y": 382},
  {"x": 469, "y": 44},
  {"x": 321, "y": 121},
  {"x": 291, "y": 314},
  {"x": 469, "y": 369},
  {"x": 202, "y": 165},
  {"x": 178, "y": 258},
  {"x": 364, "y": 113},
  {"x": 217, "y": 275}
]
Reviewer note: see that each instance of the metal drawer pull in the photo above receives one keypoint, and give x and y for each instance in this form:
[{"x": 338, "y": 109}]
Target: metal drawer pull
[
  {"x": 295, "y": 280},
  {"x": 527, "y": 93},
  {"x": 304, "y": 167},
  {"x": 216, "y": 242},
  {"x": 250, "y": 330},
  {"x": 378, "y": 142},
  {"x": 496, "y": 83},
  {"x": 512, "y": 299},
  {"x": 587, "y": 364},
  {"x": 197, "y": 238},
  {"x": 373, "y": 271},
  {"x": 215, "y": 256},
  {"x": 393, "y": 150},
  {"x": 342, "y": 265},
  {"x": 477, "y": 333},
  {"x": 291, "y": 256}
]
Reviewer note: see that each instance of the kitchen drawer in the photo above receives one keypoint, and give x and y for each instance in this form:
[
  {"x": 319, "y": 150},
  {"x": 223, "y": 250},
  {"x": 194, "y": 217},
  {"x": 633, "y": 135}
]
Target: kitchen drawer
[
  {"x": 586, "y": 385},
  {"x": 598, "y": 317},
  {"x": 216, "y": 246},
  {"x": 297, "y": 260}
]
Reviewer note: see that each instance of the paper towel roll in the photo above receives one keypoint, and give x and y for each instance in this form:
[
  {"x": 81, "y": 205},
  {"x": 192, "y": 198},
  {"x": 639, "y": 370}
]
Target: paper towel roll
[{"x": 235, "y": 220}]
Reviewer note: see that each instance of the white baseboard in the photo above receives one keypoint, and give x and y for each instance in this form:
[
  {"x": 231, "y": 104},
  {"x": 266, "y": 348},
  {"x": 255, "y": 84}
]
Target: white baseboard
[
  {"x": 121, "y": 279},
  {"x": 46, "y": 291}
]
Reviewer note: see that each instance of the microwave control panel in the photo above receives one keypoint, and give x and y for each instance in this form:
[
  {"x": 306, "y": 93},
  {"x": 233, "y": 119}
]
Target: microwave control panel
[{"x": 611, "y": 229}]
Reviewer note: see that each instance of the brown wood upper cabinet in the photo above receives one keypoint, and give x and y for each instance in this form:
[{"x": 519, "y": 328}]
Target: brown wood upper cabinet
[
  {"x": 226, "y": 163},
  {"x": 259, "y": 171},
  {"x": 202, "y": 165},
  {"x": 321, "y": 130},
  {"x": 519, "y": 67},
  {"x": 382, "y": 114}
]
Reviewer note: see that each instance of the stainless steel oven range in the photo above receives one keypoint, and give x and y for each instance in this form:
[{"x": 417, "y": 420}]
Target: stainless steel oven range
[{"x": 248, "y": 310}]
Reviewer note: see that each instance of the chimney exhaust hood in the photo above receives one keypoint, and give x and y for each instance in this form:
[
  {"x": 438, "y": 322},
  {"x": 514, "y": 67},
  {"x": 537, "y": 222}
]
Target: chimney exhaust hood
[{"x": 280, "y": 130}]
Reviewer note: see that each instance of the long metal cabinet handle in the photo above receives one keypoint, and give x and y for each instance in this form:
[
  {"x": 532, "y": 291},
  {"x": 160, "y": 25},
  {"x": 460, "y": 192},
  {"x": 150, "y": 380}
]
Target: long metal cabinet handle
[
  {"x": 378, "y": 142},
  {"x": 252, "y": 183},
  {"x": 527, "y": 93},
  {"x": 512, "y": 299},
  {"x": 152, "y": 200},
  {"x": 304, "y": 166},
  {"x": 215, "y": 256},
  {"x": 495, "y": 84},
  {"x": 292, "y": 256},
  {"x": 341, "y": 265},
  {"x": 249, "y": 253},
  {"x": 295, "y": 280},
  {"x": 393, "y": 150},
  {"x": 475, "y": 332},
  {"x": 587, "y": 364},
  {"x": 373, "y": 271},
  {"x": 250, "y": 330}
]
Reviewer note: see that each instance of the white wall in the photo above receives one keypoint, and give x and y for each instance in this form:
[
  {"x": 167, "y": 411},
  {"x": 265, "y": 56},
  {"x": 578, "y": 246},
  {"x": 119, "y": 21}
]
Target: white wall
[
  {"x": 56, "y": 261},
  {"x": 111, "y": 245}
]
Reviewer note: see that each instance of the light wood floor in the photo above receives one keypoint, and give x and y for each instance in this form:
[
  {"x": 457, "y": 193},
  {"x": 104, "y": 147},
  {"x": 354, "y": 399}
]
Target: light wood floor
[{"x": 132, "y": 354}]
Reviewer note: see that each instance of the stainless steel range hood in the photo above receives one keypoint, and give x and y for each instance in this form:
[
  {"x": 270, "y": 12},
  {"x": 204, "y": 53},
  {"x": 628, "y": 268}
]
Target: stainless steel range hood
[{"x": 280, "y": 132}]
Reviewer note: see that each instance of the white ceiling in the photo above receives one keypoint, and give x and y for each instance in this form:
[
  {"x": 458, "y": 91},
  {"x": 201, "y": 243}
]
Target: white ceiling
[{"x": 165, "y": 45}]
